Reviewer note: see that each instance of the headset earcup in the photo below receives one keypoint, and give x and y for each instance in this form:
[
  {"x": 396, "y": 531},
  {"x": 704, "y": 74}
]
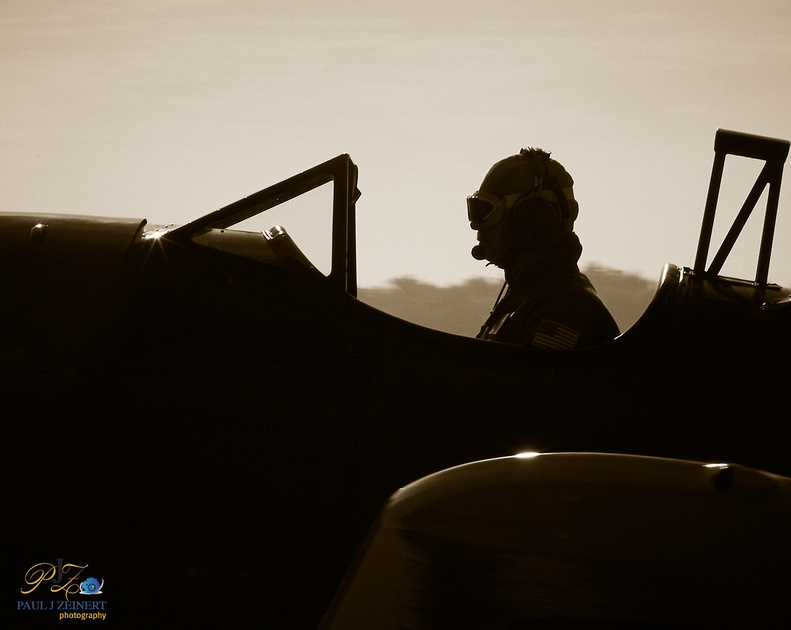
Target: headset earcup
[
  {"x": 535, "y": 221},
  {"x": 538, "y": 211}
]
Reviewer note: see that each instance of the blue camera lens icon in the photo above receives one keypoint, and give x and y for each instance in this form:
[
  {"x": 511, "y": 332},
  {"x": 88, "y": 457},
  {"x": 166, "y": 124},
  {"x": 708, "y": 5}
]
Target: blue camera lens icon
[{"x": 91, "y": 586}]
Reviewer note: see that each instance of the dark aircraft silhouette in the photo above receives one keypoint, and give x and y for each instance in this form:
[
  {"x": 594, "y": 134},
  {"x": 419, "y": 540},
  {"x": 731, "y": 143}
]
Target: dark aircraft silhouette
[{"x": 212, "y": 424}]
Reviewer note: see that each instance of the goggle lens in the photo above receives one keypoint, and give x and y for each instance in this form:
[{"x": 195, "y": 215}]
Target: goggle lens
[
  {"x": 480, "y": 211},
  {"x": 485, "y": 210}
]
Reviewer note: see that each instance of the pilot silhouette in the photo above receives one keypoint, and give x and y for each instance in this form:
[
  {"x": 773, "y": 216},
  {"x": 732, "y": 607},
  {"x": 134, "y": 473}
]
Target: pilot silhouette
[{"x": 524, "y": 214}]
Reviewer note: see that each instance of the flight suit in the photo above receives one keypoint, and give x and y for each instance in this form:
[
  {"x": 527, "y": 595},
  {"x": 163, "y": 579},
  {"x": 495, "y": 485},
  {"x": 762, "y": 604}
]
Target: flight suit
[{"x": 551, "y": 307}]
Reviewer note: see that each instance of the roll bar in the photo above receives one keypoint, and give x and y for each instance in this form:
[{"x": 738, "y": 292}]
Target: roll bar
[{"x": 774, "y": 152}]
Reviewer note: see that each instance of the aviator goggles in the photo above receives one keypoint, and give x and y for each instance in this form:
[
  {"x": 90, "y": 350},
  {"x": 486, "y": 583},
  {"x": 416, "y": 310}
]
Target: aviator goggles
[{"x": 485, "y": 210}]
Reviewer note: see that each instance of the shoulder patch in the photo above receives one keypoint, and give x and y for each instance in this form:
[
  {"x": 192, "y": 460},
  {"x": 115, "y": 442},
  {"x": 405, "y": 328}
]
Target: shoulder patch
[{"x": 555, "y": 336}]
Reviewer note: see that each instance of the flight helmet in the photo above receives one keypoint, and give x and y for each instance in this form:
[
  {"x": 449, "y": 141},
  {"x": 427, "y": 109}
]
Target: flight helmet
[{"x": 531, "y": 190}]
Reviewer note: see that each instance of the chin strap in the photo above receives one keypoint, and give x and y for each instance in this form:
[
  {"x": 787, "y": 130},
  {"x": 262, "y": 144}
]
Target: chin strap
[
  {"x": 503, "y": 290},
  {"x": 489, "y": 326}
]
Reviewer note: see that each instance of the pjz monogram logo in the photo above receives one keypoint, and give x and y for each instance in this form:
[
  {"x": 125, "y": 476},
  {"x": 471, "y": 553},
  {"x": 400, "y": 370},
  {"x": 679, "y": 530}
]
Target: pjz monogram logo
[{"x": 46, "y": 572}]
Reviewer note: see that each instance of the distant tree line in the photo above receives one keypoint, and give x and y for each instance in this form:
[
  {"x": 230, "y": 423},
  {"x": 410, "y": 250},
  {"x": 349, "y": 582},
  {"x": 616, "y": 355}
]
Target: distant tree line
[{"x": 462, "y": 308}]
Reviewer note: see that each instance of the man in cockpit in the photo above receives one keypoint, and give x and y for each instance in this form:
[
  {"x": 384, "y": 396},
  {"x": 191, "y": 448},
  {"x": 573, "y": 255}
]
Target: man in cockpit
[{"x": 524, "y": 214}]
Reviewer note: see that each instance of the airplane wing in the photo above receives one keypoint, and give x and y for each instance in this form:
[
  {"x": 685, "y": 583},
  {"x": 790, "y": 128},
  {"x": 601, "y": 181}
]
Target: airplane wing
[{"x": 576, "y": 540}]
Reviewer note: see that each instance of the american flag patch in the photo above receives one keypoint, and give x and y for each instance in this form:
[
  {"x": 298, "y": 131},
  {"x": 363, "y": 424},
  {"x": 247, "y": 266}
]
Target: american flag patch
[{"x": 553, "y": 336}]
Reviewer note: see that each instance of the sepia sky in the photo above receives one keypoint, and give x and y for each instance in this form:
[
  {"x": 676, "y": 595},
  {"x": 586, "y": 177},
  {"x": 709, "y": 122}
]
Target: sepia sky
[{"x": 167, "y": 110}]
